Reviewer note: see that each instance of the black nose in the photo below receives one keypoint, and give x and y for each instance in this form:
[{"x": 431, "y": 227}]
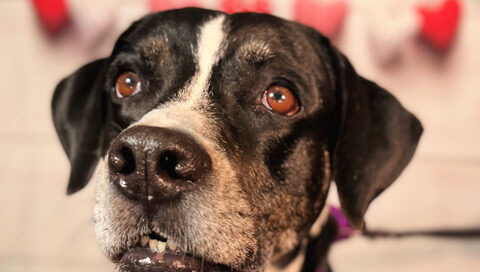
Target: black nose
[{"x": 156, "y": 164}]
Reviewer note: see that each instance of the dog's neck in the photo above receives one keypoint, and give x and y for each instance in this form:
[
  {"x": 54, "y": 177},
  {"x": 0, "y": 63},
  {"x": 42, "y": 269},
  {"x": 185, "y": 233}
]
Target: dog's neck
[{"x": 297, "y": 262}]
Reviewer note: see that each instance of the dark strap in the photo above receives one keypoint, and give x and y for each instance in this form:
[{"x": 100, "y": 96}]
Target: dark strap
[{"x": 473, "y": 233}]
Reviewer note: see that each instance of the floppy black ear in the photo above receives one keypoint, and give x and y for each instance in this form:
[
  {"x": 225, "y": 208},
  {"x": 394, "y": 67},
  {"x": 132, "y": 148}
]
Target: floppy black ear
[
  {"x": 78, "y": 109},
  {"x": 377, "y": 139}
]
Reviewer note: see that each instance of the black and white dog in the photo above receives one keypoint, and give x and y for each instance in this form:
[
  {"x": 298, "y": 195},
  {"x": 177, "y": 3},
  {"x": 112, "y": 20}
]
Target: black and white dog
[{"x": 214, "y": 138}]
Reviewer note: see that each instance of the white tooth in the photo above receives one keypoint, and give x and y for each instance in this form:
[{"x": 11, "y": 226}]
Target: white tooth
[
  {"x": 145, "y": 261},
  {"x": 161, "y": 246},
  {"x": 152, "y": 243},
  {"x": 172, "y": 245},
  {"x": 144, "y": 240}
]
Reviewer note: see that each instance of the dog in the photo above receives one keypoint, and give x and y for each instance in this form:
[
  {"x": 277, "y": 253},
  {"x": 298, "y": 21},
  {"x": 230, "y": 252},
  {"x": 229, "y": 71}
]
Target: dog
[{"x": 214, "y": 139}]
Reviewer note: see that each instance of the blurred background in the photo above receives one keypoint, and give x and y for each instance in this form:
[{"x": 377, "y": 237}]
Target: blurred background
[{"x": 427, "y": 53}]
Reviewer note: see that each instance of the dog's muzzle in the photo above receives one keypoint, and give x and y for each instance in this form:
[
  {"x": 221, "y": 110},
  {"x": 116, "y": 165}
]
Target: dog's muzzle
[{"x": 154, "y": 165}]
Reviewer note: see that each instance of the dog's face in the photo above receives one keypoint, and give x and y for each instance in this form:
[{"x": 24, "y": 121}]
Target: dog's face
[{"x": 219, "y": 135}]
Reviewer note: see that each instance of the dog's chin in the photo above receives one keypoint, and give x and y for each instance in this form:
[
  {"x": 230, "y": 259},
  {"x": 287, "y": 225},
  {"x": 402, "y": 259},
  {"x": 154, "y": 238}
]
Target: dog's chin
[
  {"x": 158, "y": 255},
  {"x": 143, "y": 259}
]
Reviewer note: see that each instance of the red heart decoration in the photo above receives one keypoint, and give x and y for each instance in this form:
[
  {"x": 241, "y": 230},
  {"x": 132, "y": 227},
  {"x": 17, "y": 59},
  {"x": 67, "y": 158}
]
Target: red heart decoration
[
  {"x": 53, "y": 14},
  {"x": 160, "y": 5},
  {"x": 232, "y": 6},
  {"x": 328, "y": 17},
  {"x": 439, "y": 25}
]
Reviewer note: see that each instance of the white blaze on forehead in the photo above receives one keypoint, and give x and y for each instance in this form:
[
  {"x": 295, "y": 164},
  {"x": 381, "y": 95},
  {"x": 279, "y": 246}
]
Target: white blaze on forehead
[
  {"x": 208, "y": 52},
  {"x": 185, "y": 110}
]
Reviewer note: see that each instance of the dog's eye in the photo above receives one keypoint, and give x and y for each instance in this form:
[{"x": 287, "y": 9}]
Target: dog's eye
[
  {"x": 280, "y": 100},
  {"x": 128, "y": 84}
]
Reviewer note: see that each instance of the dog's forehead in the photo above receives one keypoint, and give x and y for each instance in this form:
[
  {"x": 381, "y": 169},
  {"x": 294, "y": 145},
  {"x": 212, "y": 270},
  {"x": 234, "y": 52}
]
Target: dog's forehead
[
  {"x": 252, "y": 37},
  {"x": 208, "y": 42}
]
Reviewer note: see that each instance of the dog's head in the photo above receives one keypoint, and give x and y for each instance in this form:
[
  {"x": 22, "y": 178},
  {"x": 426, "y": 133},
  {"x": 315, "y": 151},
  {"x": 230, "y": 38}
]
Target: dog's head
[{"x": 220, "y": 134}]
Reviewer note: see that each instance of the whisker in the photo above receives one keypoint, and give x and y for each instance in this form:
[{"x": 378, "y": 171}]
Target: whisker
[
  {"x": 116, "y": 126},
  {"x": 194, "y": 251},
  {"x": 184, "y": 251},
  {"x": 203, "y": 258}
]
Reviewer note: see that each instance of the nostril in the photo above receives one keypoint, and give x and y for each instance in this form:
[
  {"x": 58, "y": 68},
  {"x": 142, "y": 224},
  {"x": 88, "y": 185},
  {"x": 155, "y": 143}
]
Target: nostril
[
  {"x": 123, "y": 161},
  {"x": 167, "y": 164},
  {"x": 129, "y": 165}
]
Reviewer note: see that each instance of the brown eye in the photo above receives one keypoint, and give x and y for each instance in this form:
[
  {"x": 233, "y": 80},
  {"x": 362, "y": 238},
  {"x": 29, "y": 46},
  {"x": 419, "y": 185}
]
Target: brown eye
[
  {"x": 280, "y": 100},
  {"x": 128, "y": 84}
]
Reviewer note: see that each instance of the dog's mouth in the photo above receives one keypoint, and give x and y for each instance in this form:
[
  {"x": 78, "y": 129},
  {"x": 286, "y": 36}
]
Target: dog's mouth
[{"x": 157, "y": 253}]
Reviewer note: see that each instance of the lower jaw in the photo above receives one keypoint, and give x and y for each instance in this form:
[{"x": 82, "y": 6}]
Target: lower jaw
[{"x": 144, "y": 260}]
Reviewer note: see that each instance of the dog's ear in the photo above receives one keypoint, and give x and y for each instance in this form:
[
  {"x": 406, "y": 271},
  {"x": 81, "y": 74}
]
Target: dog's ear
[
  {"x": 377, "y": 138},
  {"x": 78, "y": 109}
]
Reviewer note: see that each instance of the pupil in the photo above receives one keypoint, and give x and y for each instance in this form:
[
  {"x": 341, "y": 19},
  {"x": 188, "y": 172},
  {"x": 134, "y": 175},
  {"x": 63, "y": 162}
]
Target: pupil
[
  {"x": 278, "y": 96},
  {"x": 130, "y": 82}
]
